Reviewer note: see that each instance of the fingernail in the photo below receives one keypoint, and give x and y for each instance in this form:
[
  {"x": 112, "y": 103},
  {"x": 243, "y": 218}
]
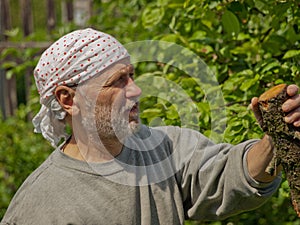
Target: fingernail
[
  {"x": 296, "y": 124},
  {"x": 285, "y": 107},
  {"x": 287, "y": 119}
]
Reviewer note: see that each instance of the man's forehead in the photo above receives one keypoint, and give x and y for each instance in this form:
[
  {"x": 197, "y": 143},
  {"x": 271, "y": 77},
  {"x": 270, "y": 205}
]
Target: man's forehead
[
  {"x": 121, "y": 68},
  {"x": 114, "y": 70},
  {"x": 117, "y": 70},
  {"x": 125, "y": 69}
]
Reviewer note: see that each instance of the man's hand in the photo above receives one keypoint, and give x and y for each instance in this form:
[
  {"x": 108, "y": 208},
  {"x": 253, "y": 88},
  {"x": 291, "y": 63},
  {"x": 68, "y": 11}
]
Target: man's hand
[
  {"x": 260, "y": 155},
  {"x": 291, "y": 107}
]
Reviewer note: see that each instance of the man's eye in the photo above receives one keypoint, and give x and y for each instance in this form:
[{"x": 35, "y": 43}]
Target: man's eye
[
  {"x": 131, "y": 75},
  {"x": 122, "y": 78},
  {"x": 125, "y": 78}
]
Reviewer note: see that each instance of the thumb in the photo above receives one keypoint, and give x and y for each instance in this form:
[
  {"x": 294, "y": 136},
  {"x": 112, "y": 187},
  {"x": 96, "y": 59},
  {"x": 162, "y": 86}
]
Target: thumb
[{"x": 256, "y": 111}]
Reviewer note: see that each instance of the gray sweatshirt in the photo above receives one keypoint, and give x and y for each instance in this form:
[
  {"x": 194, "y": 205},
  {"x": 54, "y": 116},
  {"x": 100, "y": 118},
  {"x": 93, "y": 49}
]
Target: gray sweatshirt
[{"x": 162, "y": 176}]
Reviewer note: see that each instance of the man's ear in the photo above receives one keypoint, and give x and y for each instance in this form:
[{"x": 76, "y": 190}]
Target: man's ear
[{"x": 64, "y": 96}]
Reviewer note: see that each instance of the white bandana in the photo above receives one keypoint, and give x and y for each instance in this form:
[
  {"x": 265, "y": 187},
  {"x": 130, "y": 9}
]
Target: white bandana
[{"x": 73, "y": 59}]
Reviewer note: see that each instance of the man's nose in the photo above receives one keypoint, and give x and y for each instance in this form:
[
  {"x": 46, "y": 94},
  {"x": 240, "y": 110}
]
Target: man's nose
[{"x": 132, "y": 90}]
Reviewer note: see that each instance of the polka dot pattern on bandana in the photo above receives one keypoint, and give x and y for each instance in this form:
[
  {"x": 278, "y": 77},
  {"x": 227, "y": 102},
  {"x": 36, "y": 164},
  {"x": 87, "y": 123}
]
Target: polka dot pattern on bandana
[{"x": 75, "y": 58}]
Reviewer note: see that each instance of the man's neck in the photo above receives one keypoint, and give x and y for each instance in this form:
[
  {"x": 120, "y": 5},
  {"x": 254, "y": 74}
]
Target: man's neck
[{"x": 92, "y": 152}]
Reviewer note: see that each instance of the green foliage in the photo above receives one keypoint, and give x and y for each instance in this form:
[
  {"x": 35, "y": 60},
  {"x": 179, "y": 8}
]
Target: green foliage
[
  {"x": 249, "y": 45},
  {"x": 21, "y": 152},
  {"x": 122, "y": 19}
]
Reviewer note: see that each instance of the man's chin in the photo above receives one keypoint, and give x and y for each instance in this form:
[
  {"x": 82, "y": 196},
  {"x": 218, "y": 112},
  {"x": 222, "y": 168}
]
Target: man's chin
[
  {"x": 125, "y": 129},
  {"x": 134, "y": 126}
]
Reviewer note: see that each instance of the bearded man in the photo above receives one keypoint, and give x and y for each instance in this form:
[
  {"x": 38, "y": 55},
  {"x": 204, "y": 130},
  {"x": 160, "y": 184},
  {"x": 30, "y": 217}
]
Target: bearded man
[{"x": 114, "y": 170}]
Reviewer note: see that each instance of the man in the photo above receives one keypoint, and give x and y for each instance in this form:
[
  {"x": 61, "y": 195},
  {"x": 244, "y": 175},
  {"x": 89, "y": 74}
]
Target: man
[{"x": 112, "y": 169}]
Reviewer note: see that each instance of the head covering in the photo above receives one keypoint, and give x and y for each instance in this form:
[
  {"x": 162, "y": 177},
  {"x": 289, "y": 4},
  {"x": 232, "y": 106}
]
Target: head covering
[{"x": 71, "y": 60}]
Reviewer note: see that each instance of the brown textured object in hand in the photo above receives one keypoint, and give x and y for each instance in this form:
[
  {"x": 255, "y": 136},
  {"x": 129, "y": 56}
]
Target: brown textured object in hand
[{"x": 286, "y": 138}]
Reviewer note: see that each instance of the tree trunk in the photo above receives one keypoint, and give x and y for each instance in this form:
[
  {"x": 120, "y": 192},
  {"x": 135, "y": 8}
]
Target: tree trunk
[
  {"x": 8, "y": 90},
  {"x": 51, "y": 19},
  {"x": 286, "y": 138},
  {"x": 67, "y": 11},
  {"x": 27, "y": 17},
  {"x": 5, "y": 19},
  {"x": 82, "y": 12}
]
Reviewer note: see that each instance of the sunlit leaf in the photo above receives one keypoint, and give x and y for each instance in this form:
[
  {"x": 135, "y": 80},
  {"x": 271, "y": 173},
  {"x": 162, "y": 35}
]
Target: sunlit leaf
[{"x": 291, "y": 53}]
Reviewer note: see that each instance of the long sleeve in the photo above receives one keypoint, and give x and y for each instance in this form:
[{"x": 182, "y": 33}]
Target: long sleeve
[{"x": 214, "y": 179}]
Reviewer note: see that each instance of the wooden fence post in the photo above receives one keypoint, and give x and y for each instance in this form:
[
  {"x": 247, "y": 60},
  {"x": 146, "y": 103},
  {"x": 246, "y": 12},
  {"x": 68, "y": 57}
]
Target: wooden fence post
[
  {"x": 8, "y": 91},
  {"x": 67, "y": 11},
  {"x": 2, "y": 73},
  {"x": 5, "y": 17},
  {"x": 27, "y": 29},
  {"x": 27, "y": 19},
  {"x": 2, "y": 91}
]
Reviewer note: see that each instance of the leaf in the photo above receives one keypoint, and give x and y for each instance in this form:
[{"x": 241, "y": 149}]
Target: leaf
[
  {"x": 239, "y": 9},
  {"x": 12, "y": 32},
  {"x": 172, "y": 113},
  {"x": 198, "y": 35},
  {"x": 8, "y": 64},
  {"x": 186, "y": 3},
  {"x": 157, "y": 121},
  {"x": 170, "y": 38},
  {"x": 9, "y": 74},
  {"x": 270, "y": 66},
  {"x": 261, "y": 6},
  {"x": 151, "y": 113},
  {"x": 152, "y": 15},
  {"x": 230, "y": 23},
  {"x": 187, "y": 83},
  {"x": 245, "y": 123},
  {"x": 162, "y": 2},
  {"x": 173, "y": 23},
  {"x": 9, "y": 52},
  {"x": 291, "y": 53}
]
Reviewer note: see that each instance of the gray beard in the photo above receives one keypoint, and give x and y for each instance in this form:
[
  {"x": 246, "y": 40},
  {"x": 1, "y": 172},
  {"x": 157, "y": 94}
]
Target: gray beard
[{"x": 107, "y": 124}]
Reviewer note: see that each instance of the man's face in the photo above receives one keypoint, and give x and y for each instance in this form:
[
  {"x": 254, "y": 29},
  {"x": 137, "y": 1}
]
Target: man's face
[{"x": 113, "y": 97}]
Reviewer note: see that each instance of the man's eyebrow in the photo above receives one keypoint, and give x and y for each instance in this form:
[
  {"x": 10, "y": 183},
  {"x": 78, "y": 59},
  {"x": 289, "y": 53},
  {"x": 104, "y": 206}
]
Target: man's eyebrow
[{"x": 124, "y": 71}]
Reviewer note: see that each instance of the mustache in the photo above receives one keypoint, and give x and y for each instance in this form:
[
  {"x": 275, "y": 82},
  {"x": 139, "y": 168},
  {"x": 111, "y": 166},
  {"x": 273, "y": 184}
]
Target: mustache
[
  {"x": 131, "y": 104},
  {"x": 126, "y": 108}
]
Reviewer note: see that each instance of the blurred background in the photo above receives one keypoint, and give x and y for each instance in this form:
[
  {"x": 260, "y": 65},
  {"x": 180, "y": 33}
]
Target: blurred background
[{"x": 250, "y": 46}]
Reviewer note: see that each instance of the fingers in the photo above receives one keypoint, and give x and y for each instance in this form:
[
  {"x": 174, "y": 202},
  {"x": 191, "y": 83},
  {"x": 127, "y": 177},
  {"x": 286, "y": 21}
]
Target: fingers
[
  {"x": 292, "y": 90},
  {"x": 254, "y": 104},
  {"x": 293, "y": 117},
  {"x": 292, "y": 106},
  {"x": 292, "y": 103}
]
